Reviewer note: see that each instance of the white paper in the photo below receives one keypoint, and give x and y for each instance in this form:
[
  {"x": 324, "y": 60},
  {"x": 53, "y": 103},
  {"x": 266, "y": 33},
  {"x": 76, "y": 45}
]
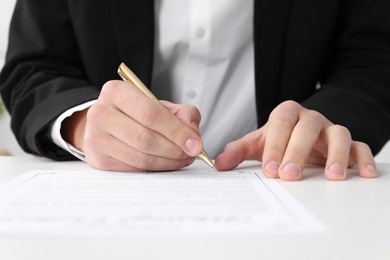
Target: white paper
[{"x": 134, "y": 204}]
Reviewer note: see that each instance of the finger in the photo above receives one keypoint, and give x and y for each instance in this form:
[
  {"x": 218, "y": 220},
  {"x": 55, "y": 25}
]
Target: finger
[
  {"x": 108, "y": 153},
  {"x": 107, "y": 163},
  {"x": 279, "y": 128},
  {"x": 152, "y": 115},
  {"x": 339, "y": 143},
  {"x": 362, "y": 156},
  {"x": 301, "y": 143},
  {"x": 188, "y": 114},
  {"x": 124, "y": 128},
  {"x": 249, "y": 147}
]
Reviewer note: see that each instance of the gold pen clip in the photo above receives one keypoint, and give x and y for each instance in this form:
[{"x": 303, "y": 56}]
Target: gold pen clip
[{"x": 127, "y": 75}]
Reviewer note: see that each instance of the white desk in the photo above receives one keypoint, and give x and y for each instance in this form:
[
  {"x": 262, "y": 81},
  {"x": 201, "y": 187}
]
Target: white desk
[{"x": 356, "y": 214}]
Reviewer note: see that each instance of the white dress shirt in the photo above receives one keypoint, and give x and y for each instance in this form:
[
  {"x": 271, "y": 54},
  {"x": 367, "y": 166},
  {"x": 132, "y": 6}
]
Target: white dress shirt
[{"x": 204, "y": 56}]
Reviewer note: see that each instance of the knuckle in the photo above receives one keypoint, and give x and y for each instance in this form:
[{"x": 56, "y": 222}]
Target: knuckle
[
  {"x": 290, "y": 105},
  {"x": 314, "y": 116},
  {"x": 144, "y": 141},
  {"x": 312, "y": 121},
  {"x": 361, "y": 146},
  {"x": 97, "y": 116},
  {"x": 341, "y": 130},
  {"x": 286, "y": 113},
  {"x": 109, "y": 89},
  {"x": 94, "y": 112},
  {"x": 113, "y": 92},
  {"x": 278, "y": 122},
  {"x": 147, "y": 115},
  {"x": 275, "y": 115}
]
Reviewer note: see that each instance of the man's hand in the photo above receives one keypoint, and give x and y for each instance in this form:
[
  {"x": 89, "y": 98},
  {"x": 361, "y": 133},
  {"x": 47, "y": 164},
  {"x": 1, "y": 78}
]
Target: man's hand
[
  {"x": 294, "y": 136},
  {"x": 126, "y": 131}
]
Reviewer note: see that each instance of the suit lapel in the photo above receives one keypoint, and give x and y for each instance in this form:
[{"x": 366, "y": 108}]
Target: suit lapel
[{"x": 133, "y": 23}]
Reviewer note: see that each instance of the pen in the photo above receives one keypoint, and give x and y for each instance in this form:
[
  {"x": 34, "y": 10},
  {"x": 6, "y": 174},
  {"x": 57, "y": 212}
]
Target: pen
[{"x": 127, "y": 75}]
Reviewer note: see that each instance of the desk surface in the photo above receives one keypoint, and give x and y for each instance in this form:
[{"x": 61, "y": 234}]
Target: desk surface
[{"x": 355, "y": 212}]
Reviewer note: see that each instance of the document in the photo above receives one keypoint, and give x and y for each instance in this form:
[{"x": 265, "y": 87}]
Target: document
[{"x": 192, "y": 201}]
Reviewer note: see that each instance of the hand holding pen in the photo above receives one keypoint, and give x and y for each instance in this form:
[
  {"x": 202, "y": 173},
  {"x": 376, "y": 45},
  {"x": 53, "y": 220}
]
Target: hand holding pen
[
  {"x": 125, "y": 130},
  {"x": 127, "y": 75}
]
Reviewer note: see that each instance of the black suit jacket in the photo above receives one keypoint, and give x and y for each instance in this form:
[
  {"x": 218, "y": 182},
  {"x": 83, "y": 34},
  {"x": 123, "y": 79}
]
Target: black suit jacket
[{"x": 61, "y": 53}]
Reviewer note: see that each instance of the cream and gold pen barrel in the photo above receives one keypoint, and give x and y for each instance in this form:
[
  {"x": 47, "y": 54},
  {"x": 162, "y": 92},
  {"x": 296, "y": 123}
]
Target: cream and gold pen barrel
[{"x": 127, "y": 75}]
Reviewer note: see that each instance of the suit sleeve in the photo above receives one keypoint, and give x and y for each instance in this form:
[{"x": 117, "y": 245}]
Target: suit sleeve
[
  {"x": 355, "y": 91},
  {"x": 43, "y": 75}
]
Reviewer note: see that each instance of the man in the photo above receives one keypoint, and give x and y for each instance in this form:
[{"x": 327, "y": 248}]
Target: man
[{"x": 321, "y": 78}]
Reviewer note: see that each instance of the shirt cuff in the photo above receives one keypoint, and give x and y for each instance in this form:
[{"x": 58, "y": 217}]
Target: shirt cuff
[{"x": 56, "y": 130}]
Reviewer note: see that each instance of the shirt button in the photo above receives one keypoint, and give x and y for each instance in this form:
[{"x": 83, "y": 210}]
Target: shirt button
[
  {"x": 191, "y": 94},
  {"x": 200, "y": 33}
]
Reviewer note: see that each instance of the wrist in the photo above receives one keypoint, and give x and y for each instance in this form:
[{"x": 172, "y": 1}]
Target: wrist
[{"x": 73, "y": 129}]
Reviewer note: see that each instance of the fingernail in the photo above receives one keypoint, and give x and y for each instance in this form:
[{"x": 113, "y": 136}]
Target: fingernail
[
  {"x": 192, "y": 146},
  {"x": 371, "y": 168},
  {"x": 272, "y": 167},
  {"x": 370, "y": 171},
  {"x": 292, "y": 169},
  {"x": 337, "y": 169}
]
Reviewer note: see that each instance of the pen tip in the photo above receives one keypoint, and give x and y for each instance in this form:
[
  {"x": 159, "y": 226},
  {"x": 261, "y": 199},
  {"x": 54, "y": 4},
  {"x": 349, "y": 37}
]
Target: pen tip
[{"x": 206, "y": 158}]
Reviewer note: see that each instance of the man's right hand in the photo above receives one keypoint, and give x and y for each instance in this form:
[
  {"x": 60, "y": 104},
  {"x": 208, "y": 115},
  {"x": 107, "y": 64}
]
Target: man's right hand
[{"x": 126, "y": 131}]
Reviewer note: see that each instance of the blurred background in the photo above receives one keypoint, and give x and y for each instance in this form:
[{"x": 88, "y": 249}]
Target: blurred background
[{"x": 7, "y": 140}]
